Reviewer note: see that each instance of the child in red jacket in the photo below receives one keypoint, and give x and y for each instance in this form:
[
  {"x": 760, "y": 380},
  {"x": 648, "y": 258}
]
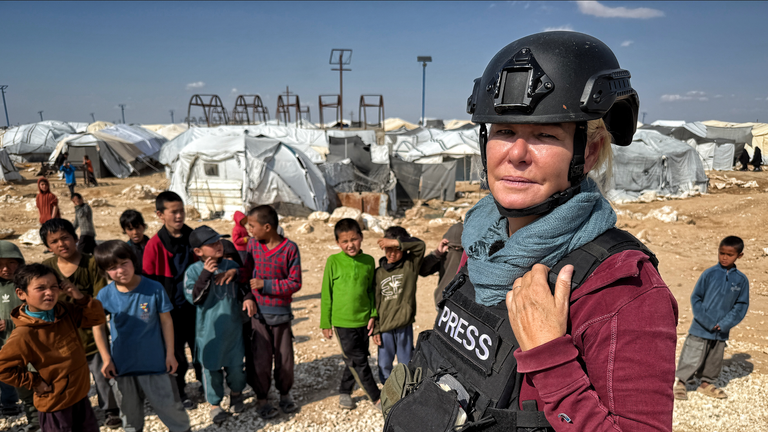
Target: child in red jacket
[{"x": 240, "y": 235}]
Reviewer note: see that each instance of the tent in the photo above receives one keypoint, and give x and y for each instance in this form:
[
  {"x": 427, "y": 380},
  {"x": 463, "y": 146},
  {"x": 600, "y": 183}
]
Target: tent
[
  {"x": 148, "y": 142},
  {"x": 9, "y": 171},
  {"x": 34, "y": 142},
  {"x": 435, "y": 146},
  {"x": 97, "y": 126},
  {"x": 108, "y": 153},
  {"x": 655, "y": 162},
  {"x": 222, "y": 174},
  {"x": 169, "y": 131},
  {"x": 392, "y": 124}
]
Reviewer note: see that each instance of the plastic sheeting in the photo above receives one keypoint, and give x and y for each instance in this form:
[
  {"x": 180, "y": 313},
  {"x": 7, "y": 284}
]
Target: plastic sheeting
[
  {"x": 34, "y": 142},
  {"x": 423, "y": 143},
  {"x": 425, "y": 182},
  {"x": 118, "y": 156},
  {"x": 97, "y": 126},
  {"x": 148, "y": 142},
  {"x": 715, "y": 156},
  {"x": 271, "y": 172},
  {"x": 655, "y": 162},
  {"x": 169, "y": 131},
  {"x": 9, "y": 171}
]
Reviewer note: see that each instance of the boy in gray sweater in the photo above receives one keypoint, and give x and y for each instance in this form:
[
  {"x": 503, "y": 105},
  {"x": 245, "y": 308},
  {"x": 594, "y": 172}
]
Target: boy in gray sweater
[{"x": 84, "y": 220}]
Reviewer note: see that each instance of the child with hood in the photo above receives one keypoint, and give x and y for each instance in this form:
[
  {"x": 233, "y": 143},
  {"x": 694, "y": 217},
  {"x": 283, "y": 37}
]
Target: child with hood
[
  {"x": 240, "y": 235},
  {"x": 47, "y": 203}
]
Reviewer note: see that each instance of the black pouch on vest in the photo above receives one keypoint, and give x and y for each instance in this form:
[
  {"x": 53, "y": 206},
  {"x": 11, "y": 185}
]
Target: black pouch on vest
[{"x": 428, "y": 409}]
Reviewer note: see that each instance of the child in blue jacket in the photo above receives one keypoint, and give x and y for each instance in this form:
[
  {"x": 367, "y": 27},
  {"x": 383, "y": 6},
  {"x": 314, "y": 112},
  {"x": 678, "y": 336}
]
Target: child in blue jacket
[
  {"x": 719, "y": 301},
  {"x": 69, "y": 177}
]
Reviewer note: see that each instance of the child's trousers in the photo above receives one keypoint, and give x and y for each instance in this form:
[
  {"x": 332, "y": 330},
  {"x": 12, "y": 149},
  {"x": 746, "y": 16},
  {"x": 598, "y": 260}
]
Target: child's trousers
[
  {"x": 700, "y": 358},
  {"x": 79, "y": 417},
  {"x": 268, "y": 342},
  {"x": 162, "y": 394},
  {"x": 397, "y": 342},
  {"x": 354, "y": 349},
  {"x": 213, "y": 381}
]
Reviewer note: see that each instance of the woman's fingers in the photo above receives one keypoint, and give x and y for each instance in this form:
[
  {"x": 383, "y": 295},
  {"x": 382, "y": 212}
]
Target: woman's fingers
[{"x": 563, "y": 288}]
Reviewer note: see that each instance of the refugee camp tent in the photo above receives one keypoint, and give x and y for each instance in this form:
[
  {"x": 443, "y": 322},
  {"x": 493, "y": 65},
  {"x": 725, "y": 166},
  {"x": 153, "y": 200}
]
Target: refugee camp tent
[
  {"x": 9, "y": 172},
  {"x": 169, "y": 131},
  {"x": 394, "y": 123},
  {"x": 79, "y": 127},
  {"x": 435, "y": 146},
  {"x": 97, "y": 126},
  {"x": 220, "y": 174},
  {"x": 109, "y": 154},
  {"x": 759, "y": 135},
  {"x": 34, "y": 142},
  {"x": 658, "y": 163},
  {"x": 148, "y": 142}
]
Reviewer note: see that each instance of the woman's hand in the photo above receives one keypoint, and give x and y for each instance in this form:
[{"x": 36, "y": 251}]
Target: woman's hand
[{"x": 536, "y": 315}]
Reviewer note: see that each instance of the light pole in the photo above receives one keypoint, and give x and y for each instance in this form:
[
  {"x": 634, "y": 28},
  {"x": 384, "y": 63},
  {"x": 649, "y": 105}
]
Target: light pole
[
  {"x": 2, "y": 89},
  {"x": 41, "y": 115},
  {"x": 424, "y": 60},
  {"x": 644, "y": 113},
  {"x": 93, "y": 118},
  {"x": 122, "y": 110},
  {"x": 171, "y": 116}
]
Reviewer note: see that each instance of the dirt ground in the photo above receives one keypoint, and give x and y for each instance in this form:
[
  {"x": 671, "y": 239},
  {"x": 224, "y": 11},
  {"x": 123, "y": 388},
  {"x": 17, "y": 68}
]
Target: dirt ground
[{"x": 684, "y": 247}]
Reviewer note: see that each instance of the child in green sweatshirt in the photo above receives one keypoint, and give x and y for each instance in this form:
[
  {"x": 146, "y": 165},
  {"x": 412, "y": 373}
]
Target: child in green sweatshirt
[{"x": 347, "y": 307}]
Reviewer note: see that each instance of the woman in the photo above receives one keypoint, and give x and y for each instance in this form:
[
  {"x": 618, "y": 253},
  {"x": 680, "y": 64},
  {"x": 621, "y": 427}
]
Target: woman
[{"x": 595, "y": 355}]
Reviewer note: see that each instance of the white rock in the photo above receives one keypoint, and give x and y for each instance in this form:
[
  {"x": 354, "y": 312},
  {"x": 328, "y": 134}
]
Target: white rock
[
  {"x": 98, "y": 202},
  {"x": 441, "y": 221},
  {"x": 346, "y": 212},
  {"x": 319, "y": 216},
  {"x": 31, "y": 206},
  {"x": 31, "y": 237},
  {"x": 751, "y": 184},
  {"x": 6, "y": 232},
  {"x": 664, "y": 214},
  {"x": 140, "y": 192},
  {"x": 304, "y": 228},
  {"x": 647, "y": 196}
]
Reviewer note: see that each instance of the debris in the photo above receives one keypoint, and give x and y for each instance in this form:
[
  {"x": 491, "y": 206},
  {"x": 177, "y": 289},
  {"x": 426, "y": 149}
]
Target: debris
[
  {"x": 751, "y": 184},
  {"x": 304, "y": 228},
  {"x": 192, "y": 213},
  {"x": 319, "y": 216},
  {"x": 415, "y": 212},
  {"x": 441, "y": 221},
  {"x": 346, "y": 212},
  {"x": 6, "y": 232},
  {"x": 31, "y": 237},
  {"x": 31, "y": 206},
  {"x": 98, "y": 202},
  {"x": 456, "y": 213},
  {"x": 12, "y": 199},
  {"x": 648, "y": 196},
  {"x": 140, "y": 192},
  {"x": 377, "y": 224},
  {"x": 664, "y": 214}
]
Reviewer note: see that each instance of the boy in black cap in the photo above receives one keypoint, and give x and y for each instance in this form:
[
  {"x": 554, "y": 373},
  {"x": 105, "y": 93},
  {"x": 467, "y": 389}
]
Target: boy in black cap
[{"x": 211, "y": 284}]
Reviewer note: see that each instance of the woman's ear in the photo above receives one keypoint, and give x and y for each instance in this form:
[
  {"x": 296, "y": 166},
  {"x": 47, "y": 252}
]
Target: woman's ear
[{"x": 592, "y": 154}]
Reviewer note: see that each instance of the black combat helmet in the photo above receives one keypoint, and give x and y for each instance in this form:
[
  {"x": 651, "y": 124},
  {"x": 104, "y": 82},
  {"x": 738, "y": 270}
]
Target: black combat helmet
[{"x": 556, "y": 77}]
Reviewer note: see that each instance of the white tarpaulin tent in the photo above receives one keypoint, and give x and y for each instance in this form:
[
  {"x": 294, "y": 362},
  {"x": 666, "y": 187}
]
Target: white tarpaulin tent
[
  {"x": 169, "y": 131},
  {"x": 9, "y": 171},
  {"x": 119, "y": 157},
  {"x": 148, "y": 142},
  {"x": 97, "y": 126},
  {"x": 34, "y": 142},
  {"x": 225, "y": 173},
  {"x": 658, "y": 163},
  {"x": 431, "y": 145}
]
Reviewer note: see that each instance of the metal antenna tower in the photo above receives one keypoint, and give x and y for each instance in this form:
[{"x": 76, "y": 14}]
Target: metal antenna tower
[
  {"x": 2, "y": 89},
  {"x": 122, "y": 109},
  {"x": 41, "y": 115},
  {"x": 341, "y": 57}
]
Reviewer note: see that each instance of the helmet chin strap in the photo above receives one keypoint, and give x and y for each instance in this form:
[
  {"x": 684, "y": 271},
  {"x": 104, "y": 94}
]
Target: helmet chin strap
[{"x": 575, "y": 176}]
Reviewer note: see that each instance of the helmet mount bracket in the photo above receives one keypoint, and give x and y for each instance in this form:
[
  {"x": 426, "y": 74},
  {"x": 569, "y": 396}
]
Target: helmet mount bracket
[{"x": 520, "y": 84}]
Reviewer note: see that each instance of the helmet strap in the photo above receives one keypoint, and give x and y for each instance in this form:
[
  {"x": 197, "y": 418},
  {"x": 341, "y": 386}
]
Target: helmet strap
[{"x": 575, "y": 176}]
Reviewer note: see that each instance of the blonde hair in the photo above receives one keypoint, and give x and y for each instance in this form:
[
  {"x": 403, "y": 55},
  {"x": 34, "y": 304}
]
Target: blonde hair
[{"x": 602, "y": 172}]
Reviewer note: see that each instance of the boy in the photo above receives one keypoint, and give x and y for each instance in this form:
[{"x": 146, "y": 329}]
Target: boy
[
  {"x": 80, "y": 270},
  {"x": 273, "y": 267},
  {"x": 69, "y": 177},
  {"x": 166, "y": 257},
  {"x": 140, "y": 320},
  {"x": 10, "y": 261},
  {"x": 84, "y": 220},
  {"x": 46, "y": 201},
  {"x": 719, "y": 301},
  {"x": 211, "y": 284},
  {"x": 46, "y": 337},
  {"x": 347, "y": 306},
  {"x": 132, "y": 223},
  {"x": 396, "y": 297},
  {"x": 444, "y": 260},
  {"x": 88, "y": 167}
]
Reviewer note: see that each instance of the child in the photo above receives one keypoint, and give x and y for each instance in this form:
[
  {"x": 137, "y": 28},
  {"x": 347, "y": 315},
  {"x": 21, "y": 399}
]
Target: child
[
  {"x": 211, "y": 284},
  {"x": 132, "y": 223},
  {"x": 69, "y": 177},
  {"x": 89, "y": 176},
  {"x": 140, "y": 320},
  {"x": 396, "y": 297},
  {"x": 240, "y": 235},
  {"x": 81, "y": 270},
  {"x": 444, "y": 260},
  {"x": 166, "y": 257},
  {"x": 347, "y": 306},
  {"x": 46, "y": 201},
  {"x": 46, "y": 337},
  {"x": 273, "y": 267},
  {"x": 84, "y": 220},
  {"x": 10, "y": 261},
  {"x": 719, "y": 301}
]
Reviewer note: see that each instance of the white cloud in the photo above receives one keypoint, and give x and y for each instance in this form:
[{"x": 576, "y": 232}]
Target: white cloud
[
  {"x": 234, "y": 91},
  {"x": 600, "y": 10},
  {"x": 718, "y": 96},
  {"x": 195, "y": 85},
  {"x": 695, "y": 93},
  {"x": 627, "y": 43},
  {"x": 689, "y": 96},
  {"x": 492, "y": 5},
  {"x": 566, "y": 27}
]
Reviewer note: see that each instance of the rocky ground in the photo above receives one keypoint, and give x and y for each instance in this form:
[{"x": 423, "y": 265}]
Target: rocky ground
[{"x": 683, "y": 233}]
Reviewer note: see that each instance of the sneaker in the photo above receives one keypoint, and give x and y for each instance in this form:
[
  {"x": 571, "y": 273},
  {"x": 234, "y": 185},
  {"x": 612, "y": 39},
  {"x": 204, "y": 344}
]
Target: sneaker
[
  {"x": 346, "y": 402},
  {"x": 113, "y": 421},
  {"x": 236, "y": 404},
  {"x": 187, "y": 402},
  {"x": 218, "y": 415}
]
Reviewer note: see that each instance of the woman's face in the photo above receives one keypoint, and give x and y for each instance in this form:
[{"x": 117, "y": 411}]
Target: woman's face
[{"x": 528, "y": 163}]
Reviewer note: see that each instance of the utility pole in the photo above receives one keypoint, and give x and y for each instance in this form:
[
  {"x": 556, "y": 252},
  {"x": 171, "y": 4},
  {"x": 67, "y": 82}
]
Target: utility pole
[
  {"x": 424, "y": 60},
  {"x": 337, "y": 58},
  {"x": 171, "y": 116},
  {"x": 41, "y": 115},
  {"x": 122, "y": 109},
  {"x": 2, "y": 89},
  {"x": 93, "y": 118},
  {"x": 643, "y": 121}
]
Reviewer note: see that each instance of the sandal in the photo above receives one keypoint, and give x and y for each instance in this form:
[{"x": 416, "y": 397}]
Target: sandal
[
  {"x": 267, "y": 411},
  {"x": 288, "y": 405},
  {"x": 712, "y": 391},
  {"x": 680, "y": 391}
]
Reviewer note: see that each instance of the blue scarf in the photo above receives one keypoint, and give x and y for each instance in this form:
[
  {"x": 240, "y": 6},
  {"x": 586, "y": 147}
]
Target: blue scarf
[
  {"x": 545, "y": 241},
  {"x": 48, "y": 315}
]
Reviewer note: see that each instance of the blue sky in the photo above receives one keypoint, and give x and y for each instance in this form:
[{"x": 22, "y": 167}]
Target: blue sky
[{"x": 689, "y": 60}]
